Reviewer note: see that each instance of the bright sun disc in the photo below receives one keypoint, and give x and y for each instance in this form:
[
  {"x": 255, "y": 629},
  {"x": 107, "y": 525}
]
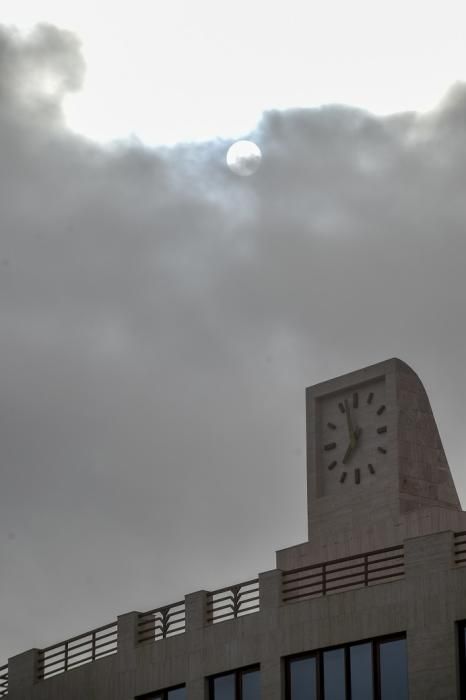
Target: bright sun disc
[{"x": 244, "y": 158}]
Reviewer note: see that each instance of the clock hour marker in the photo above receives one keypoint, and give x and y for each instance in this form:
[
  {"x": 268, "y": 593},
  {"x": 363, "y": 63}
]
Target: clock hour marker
[
  {"x": 341, "y": 407},
  {"x": 357, "y": 476},
  {"x": 332, "y": 426},
  {"x": 330, "y": 446},
  {"x": 380, "y": 410},
  {"x": 381, "y": 430},
  {"x": 371, "y": 468},
  {"x": 355, "y": 399},
  {"x": 333, "y": 464},
  {"x": 370, "y": 397},
  {"x": 342, "y": 477},
  {"x": 382, "y": 450}
]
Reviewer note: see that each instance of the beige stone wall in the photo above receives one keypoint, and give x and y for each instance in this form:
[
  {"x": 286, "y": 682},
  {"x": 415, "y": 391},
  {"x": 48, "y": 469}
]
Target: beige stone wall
[
  {"x": 425, "y": 477},
  {"x": 425, "y": 604}
]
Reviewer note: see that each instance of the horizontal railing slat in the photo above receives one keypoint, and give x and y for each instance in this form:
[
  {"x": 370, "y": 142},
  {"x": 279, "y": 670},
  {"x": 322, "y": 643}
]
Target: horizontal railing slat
[
  {"x": 180, "y": 603},
  {"x": 212, "y": 601}
]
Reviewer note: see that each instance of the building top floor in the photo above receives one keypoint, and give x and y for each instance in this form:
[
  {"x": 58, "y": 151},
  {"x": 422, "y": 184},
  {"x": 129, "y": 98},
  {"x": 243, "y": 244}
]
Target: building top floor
[{"x": 384, "y": 524}]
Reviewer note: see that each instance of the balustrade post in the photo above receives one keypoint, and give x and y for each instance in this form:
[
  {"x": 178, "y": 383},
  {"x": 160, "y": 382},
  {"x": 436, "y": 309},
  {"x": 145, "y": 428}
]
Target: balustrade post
[
  {"x": 270, "y": 589},
  {"x": 270, "y": 601},
  {"x": 324, "y": 579},
  {"x": 127, "y": 637},
  {"x": 196, "y": 610},
  {"x": 196, "y": 620},
  {"x": 236, "y": 599},
  {"x": 366, "y": 570},
  {"x": 165, "y": 622},
  {"x": 93, "y": 645},
  {"x": 23, "y": 672}
]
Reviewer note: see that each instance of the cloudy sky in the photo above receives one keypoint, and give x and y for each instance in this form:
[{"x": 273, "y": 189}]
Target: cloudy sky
[{"x": 161, "y": 316}]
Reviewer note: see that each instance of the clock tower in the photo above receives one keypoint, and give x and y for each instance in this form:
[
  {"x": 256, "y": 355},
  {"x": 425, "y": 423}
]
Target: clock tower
[{"x": 374, "y": 454}]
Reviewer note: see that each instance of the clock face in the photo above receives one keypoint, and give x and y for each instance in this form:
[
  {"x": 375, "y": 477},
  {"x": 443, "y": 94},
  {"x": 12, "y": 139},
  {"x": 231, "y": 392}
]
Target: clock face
[{"x": 353, "y": 435}]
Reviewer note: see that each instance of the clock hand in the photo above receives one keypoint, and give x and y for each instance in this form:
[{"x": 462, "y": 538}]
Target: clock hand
[
  {"x": 352, "y": 445},
  {"x": 348, "y": 452},
  {"x": 355, "y": 437},
  {"x": 348, "y": 420}
]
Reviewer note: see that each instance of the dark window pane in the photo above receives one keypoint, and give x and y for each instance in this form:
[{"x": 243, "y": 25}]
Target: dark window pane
[
  {"x": 393, "y": 670},
  {"x": 334, "y": 675},
  {"x": 361, "y": 672},
  {"x": 224, "y": 687},
  {"x": 178, "y": 694},
  {"x": 250, "y": 682},
  {"x": 303, "y": 679}
]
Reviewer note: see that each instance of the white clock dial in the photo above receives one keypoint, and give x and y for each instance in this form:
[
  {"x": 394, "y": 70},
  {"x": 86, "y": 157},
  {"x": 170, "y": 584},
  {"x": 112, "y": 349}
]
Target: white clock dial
[{"x": 353, "y": 435}]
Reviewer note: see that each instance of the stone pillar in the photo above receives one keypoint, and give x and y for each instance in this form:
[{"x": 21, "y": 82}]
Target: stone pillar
[
  {"x": 196, "y": 610},
  {"x": 270, "y": 589},
  {"x": 127, "y": 639},
  {"x": 196, "y": 621},
  {"x": 196, "y": 689},
  {"x": 431, "y": 630},
  {"x": 270, "y": 598},
  {"x": 22, "y": 673}
]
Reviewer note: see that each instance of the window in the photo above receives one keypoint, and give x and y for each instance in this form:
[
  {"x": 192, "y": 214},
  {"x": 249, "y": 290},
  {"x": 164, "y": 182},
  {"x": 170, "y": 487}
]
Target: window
[
  {"x": 334, "y": 674},
  {"x": 302, "y": 678},
  {"x": 361, "y": 672},
  {"x": 393, "y": 670},
  {"x": 178, "y": 693},
  {"x": 237, "y": 685},
  {"x": 372, "y": 670}
]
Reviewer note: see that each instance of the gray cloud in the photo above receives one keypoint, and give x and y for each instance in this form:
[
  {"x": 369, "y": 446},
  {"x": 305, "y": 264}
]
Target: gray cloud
[{"x": 161, "y": 317}]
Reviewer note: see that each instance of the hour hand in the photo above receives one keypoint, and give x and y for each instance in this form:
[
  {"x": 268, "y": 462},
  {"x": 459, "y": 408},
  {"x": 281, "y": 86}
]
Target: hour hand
[
  {"x": 348, "y": 452},
  {"x": 353, "y": 442},
  {"x": 355, "y": 437}
]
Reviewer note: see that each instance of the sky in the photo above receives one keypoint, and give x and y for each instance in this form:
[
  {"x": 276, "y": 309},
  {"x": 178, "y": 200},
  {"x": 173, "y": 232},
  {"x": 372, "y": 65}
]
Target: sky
[{"x": 161, "y": 316}]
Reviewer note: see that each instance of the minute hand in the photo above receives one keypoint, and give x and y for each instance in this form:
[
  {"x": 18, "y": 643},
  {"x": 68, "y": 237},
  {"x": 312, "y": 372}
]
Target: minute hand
[{"x": 348, "y": 420}]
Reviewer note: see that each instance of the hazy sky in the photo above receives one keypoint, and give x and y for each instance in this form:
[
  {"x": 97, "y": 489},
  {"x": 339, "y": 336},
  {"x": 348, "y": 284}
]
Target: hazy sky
[
  {"x": 177, "y": 70},
  {"x": 161, "y": 317}
]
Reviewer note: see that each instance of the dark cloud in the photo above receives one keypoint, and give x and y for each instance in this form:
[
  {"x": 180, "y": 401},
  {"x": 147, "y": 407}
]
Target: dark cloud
[{"x": 160, "y": 318}]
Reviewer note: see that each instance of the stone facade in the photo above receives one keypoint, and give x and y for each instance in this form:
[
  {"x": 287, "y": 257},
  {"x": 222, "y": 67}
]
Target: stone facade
[{"x": 424, "y": 600}]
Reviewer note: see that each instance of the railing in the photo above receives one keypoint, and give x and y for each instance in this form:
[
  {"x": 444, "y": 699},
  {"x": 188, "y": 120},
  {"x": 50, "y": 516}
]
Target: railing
[
  {"x": 460, "y": 547},
  {"x": 229, "y": 603},
  {"x": 3, "y": 681},
  {"x": 161, "y": 623},
  {"x": 366, "y": 569},
  {"x": 233, "y": 601},
  {"x": 77, "y": 651}
]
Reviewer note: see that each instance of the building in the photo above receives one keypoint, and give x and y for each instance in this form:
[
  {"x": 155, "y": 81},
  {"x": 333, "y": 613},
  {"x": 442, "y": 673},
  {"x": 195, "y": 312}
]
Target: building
[{"x": 371, "y": 607}]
